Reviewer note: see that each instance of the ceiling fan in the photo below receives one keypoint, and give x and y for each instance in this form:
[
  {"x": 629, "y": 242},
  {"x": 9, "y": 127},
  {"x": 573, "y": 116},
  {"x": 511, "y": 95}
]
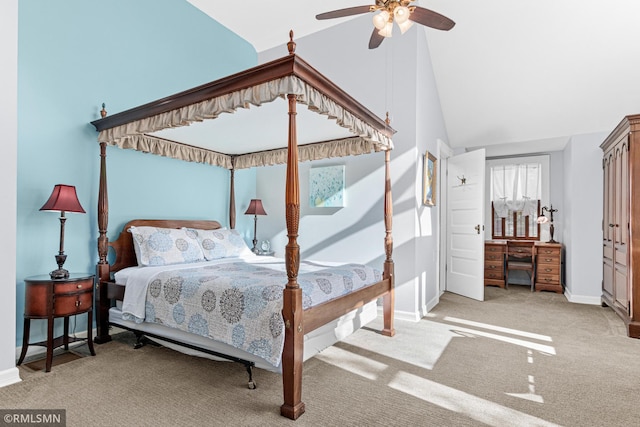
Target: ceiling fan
[{"x": 400, "y": 11}]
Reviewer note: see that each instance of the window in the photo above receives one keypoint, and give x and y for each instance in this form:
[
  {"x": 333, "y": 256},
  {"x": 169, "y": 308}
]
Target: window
[{"x": 515, "y": 200}]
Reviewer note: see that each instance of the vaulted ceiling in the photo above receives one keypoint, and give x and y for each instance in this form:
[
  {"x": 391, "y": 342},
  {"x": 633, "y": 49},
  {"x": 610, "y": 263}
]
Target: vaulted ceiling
[{"x": 528, "y": 73}]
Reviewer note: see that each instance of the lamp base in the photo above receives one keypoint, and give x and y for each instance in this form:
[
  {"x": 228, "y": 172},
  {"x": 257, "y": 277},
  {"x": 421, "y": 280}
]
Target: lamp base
[{"x": 60, "y": 273}]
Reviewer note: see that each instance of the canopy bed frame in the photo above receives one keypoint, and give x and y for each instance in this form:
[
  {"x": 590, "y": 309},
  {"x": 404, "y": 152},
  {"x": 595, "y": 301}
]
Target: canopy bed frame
[{"x": 167, "y": 127}]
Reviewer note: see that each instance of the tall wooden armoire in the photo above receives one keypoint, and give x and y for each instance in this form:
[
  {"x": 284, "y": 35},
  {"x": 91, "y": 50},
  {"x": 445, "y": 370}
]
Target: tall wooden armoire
[{"x": 621, "y": 222}]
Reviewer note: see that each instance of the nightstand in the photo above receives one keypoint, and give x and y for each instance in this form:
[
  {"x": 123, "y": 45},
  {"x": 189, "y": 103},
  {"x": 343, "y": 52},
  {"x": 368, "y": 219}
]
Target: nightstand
[{"x": 47, "y": 298}]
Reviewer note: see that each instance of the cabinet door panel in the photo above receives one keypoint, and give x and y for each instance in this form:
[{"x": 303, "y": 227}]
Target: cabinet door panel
[{"x": 621, "y": 292}]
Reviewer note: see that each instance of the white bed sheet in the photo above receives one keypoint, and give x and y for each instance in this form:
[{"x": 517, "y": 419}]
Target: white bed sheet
[{"x": 314, "y": 341}]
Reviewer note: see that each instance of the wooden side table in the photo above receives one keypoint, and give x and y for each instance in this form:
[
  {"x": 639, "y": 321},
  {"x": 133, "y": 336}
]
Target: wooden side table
[{"x": 47, "y": 298}]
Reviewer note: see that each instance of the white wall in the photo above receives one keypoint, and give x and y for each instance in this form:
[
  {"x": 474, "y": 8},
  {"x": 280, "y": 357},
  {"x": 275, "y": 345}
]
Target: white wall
[
  {"x": 8, "y": 176},
  {"x": 395, "y": 78},
  {"x": 582, "y": 232}
]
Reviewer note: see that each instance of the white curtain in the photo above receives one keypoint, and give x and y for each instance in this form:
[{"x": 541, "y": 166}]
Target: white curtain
[{"x": 516, "y": 188}]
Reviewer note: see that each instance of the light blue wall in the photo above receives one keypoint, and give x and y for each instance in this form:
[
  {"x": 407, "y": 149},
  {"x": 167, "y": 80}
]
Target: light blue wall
[{"x": 74, "y": 55}]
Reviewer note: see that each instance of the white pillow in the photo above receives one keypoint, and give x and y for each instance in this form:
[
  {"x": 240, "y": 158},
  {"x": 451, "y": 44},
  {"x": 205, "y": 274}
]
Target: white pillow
[
  {"x": 220, "y": 243},
  {"x": 163, "y": 246}
]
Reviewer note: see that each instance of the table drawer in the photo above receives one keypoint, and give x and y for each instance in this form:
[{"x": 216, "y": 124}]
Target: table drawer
[
  {"x": 546, "y": 259},
  {"x": 65, "y": 305},
  {"x": 494, "y": 265},
  {"x": 493, "y": 256},
  {"x": 548, "y": 279},
  {"x": 77, "y": 286},
  {"x": 493, "y": 275},
  {"x": 499, "y": 249},
  {"x": 548, "y": 269},
  {"x": 549, "y": 252}
]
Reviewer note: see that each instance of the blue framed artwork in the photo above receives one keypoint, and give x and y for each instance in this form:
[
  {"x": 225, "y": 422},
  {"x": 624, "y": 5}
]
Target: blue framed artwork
[{"x": 326, "y": 187}]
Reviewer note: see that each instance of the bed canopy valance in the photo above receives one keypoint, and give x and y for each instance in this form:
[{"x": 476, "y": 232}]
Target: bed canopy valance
[
  {"x": 265, "y": 128},
  {"x": 177, "y": 126}
]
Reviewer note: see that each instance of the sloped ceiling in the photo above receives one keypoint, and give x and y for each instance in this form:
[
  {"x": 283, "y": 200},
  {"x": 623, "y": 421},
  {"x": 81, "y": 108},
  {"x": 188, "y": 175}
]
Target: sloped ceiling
[{"x": 527, "y": 74}]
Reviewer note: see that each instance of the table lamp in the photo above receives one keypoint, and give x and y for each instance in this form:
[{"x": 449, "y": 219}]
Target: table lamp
[
  {"x": 542, "y": 219},
  {"x": 62, "y": 199},
  {"x": 255, "y": 208}
]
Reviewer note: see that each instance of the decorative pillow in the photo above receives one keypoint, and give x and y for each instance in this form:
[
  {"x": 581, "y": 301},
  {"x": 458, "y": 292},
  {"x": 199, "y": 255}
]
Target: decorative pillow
[
  {"x": 163, "y": 246},
  {"x": 220, "y": 243}
]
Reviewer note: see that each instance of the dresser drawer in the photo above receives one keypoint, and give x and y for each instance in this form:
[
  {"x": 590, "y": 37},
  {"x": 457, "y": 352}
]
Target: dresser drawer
[{"x": 65, "y": 305}]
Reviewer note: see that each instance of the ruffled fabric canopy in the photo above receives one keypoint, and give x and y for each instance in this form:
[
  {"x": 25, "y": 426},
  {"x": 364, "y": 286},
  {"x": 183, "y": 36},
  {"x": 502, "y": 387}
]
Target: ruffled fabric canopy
[{"x": 138, "y": 134}]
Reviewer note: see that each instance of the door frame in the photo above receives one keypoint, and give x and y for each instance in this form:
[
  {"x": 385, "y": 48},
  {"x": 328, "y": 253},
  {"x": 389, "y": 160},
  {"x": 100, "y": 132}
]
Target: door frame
[{"x": 444, "y": 152}]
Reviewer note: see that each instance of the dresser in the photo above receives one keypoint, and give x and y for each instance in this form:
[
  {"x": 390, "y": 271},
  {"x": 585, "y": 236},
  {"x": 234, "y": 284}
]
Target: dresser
[
  {"x": 621, "y": 223},
  {"x": 48, "y": 299},
  {"x": 548, "y": 275},
  {"x": 494, "y": 253}
]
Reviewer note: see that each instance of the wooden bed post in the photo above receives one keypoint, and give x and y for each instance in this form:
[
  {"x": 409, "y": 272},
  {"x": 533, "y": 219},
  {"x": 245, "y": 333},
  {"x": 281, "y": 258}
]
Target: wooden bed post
[
  {"x": 232, "y": 201},
  {"x": 292, "y": 312},
  {"x": 388, "y": 301},
  {"x": 102, "y": 268}
]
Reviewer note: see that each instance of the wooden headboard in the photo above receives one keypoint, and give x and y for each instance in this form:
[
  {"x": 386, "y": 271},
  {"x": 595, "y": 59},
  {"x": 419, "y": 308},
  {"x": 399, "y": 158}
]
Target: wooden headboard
[{"x": 123, "y": 245}]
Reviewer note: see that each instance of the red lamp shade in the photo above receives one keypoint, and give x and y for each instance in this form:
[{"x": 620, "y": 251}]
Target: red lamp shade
[
  {"x": 255, "y": 208},
  {"x": 63, "y": 199}
]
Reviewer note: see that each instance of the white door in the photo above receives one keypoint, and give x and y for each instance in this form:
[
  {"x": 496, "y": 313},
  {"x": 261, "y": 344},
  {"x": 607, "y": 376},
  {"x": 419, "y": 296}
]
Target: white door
[{"x": 465, "y": 217}]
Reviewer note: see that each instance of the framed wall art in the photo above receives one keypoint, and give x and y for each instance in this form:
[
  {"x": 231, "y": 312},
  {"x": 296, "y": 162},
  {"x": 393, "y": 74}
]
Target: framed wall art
[
  {"x": 429, "y": 175},
  {"x": 326, "y": 187}
]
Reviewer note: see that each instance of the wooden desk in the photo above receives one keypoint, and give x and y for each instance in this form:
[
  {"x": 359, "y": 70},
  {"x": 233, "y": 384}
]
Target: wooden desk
[{"x": 548, "y": 275}]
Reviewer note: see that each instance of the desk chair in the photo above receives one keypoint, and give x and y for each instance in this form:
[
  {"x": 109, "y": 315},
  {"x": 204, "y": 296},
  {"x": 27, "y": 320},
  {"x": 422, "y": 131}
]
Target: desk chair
[{"x": 521, "y": 256}]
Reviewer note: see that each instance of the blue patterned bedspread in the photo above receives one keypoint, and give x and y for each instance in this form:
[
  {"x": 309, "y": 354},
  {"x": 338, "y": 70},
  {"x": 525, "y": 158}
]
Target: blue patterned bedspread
[{"x": 240, "y": 303}]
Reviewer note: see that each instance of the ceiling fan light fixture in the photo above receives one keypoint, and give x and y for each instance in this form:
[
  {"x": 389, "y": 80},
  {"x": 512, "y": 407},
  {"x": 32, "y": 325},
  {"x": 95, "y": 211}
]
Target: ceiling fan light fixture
[
  {"x": 405, "y": 26},
  {"x": 387, "y": 30},
  {"x": 381, "y": 19},
  {"x": 401, "y": 14}
]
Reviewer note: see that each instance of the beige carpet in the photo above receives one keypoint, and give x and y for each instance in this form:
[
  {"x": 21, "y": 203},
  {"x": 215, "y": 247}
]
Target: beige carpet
[{"x": 517, "y": 359}]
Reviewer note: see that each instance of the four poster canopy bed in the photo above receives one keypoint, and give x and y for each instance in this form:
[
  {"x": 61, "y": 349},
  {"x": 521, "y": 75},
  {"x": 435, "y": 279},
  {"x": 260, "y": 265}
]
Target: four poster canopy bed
[{"x": 194, "y": 283}]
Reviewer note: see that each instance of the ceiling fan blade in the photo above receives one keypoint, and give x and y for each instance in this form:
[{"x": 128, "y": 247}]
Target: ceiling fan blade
[
  {"x": 376, "y": 39},
  {"x": 431, "y": 19},
  {"x": 344, "y": 12}
]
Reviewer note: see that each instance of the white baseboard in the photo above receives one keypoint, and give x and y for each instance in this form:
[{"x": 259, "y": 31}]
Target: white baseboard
[
  {"x": 9, "y": 376},
  {"x": 402, "y": 315},
  {"x": 431, "y": 304},
  {"x": 582, "y": 299}
]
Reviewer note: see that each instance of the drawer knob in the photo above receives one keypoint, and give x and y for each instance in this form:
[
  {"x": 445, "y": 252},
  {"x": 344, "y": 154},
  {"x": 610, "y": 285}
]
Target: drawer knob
[
  {"x": 547, "y": 270},
  {"x": 78, "y": 303},
  {"x": 79, "y": 286}
]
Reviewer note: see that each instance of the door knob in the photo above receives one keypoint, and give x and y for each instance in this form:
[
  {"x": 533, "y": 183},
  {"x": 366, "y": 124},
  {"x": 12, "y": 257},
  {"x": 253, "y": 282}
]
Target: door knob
[{"x": 477, "y": 227}]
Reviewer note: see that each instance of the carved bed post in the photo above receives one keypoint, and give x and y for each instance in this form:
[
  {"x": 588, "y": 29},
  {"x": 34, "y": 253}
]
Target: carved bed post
[
  {"x": 292, "y": 313},
  {"x": 102, "y": 268},
  {"x": 388, "y": 301},
  {"x": 232, "y": 201}
]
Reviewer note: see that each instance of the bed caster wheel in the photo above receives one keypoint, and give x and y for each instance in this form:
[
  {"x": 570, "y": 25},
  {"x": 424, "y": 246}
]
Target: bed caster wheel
[{"x": 252, "y": 385}]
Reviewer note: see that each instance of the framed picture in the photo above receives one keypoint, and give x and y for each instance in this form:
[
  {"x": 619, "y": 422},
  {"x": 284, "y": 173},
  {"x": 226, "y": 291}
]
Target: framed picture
[
  {"x": 326, "y": 187},
  {"x": 429, "y": 175}
]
